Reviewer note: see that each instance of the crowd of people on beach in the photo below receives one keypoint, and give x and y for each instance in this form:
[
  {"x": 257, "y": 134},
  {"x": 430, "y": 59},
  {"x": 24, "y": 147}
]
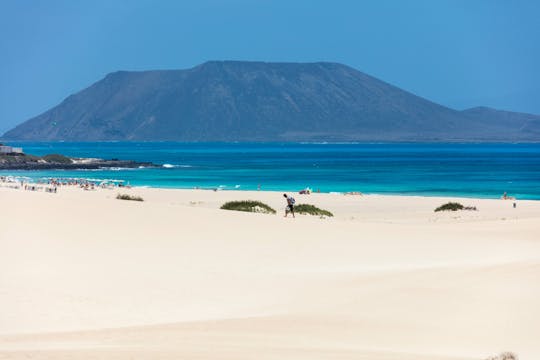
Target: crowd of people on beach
[
  {"x": 51, "y": 185},
  {"x": 14, "y": 183},
  {"x": 34, "y": 187}
]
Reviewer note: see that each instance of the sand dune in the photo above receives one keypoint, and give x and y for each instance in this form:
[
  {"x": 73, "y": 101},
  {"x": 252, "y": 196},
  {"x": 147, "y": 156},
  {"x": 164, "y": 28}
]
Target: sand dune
[{"x": 86, "y": 276}]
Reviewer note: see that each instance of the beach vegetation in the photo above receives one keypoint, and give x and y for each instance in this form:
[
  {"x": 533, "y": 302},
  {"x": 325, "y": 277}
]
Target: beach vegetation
[
  {"x": 451, "y": 206},
  {"x": 454, "y": 206},
  {"x": 129, "y": 197},
  {"x": 248, "y": 206},
  {"x": 17, "y": 158},
  {"x": 308, "y": 209},
  {"x": 28, "y": 157},
  {"x": 57, "y": 158},
  {"x": 508, "y": 356},
  {"x": 504, "y": 356}
]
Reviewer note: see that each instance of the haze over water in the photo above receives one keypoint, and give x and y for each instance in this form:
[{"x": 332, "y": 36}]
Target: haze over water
[{"x": 473, "y": 170}]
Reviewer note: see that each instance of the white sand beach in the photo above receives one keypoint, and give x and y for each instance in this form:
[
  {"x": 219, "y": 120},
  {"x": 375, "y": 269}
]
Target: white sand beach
[{"x": 86, "y": 276}]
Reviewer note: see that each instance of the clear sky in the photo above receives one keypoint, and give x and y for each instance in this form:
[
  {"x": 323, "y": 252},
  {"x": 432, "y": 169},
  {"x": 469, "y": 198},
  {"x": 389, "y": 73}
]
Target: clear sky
[{"x": 457, "y": 53}]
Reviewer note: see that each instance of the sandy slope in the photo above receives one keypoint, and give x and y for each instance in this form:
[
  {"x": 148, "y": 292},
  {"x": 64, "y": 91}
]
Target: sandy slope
[{"x": 86, "y": 276}]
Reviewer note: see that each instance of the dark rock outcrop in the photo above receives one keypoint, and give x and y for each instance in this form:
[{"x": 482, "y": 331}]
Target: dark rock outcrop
[{"x": 59, "y": 162}]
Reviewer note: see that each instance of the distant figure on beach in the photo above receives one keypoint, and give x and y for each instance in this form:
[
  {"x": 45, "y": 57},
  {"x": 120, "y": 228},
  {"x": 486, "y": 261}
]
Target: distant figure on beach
[
  {"x": 290, "y": 205},
  {"x": 506, "y": 197}
]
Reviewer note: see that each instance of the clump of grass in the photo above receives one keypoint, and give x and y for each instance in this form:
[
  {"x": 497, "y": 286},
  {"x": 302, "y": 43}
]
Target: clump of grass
[
  {"x": 454, "y": 206},
  {"x": 129, "y": 197},
  {"x": 504, "y": 356},
  {"x": 311, "y": 210},
  {"x": 508, "y": 356},
  {"x": 451, "y": 206},
  {"x": 248, "y": 206},
  {"x": 57, "y": 158}
]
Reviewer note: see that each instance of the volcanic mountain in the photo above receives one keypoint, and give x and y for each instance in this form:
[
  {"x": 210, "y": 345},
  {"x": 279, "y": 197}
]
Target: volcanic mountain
[{"x": 259, "y": 101}]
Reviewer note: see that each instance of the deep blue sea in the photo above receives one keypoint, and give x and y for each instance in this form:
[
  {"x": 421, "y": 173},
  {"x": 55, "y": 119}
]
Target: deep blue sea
[{"x": 474, "y": 170}]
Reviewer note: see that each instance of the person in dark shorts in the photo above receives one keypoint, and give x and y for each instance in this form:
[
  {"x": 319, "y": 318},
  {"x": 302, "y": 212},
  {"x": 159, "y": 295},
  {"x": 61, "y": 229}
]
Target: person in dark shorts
[{"x": 290, "y": 205}]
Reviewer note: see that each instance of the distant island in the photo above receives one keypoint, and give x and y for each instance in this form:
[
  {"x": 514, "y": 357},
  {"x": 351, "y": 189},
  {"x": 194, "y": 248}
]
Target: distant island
[
  {"x": 16, "y": 159},
  {"x": 258, "y": 101}
]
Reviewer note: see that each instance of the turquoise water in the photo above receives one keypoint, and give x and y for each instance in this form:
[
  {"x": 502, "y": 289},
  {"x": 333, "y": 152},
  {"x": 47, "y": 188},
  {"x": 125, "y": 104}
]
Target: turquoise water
[{"x": 475, "y": 170}]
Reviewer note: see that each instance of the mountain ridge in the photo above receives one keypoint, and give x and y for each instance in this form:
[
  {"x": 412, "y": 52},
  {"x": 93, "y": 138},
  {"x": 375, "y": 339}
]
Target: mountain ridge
[{"x": 264, "y": 101}]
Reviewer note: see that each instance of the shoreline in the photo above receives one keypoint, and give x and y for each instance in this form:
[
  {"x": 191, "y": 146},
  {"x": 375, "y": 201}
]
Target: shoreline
[
  {"x": 280, "y": 192},
  {"x": 345, "y": 193}
]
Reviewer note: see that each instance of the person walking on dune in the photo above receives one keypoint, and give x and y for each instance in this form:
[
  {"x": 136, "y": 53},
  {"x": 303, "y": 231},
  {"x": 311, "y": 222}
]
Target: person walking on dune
[{"x": 290, "y": 205}]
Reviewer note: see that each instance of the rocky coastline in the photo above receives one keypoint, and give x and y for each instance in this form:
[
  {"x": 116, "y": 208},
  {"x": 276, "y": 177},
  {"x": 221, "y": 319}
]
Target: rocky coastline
[{"x": 61, "y": 162}]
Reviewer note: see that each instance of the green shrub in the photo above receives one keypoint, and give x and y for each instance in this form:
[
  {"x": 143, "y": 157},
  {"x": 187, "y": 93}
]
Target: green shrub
[
  {"x": 248, "y": 206},
  {"x": 18, "y": 158},
  {"x": 129, "y": 197},
  {"x": 454, "y": 206},
  {"x": 57, "y": 158},
  {"x": 451, "y": 206},
  {"x": 508, "y": 356},
  {"x": 28, "y": 157},
  {"x": 311, "y": 210},
  {"x": 504, "y": 356}
]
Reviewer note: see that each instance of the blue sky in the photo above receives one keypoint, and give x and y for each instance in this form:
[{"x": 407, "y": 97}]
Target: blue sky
[{"x": 457, "y": 53}]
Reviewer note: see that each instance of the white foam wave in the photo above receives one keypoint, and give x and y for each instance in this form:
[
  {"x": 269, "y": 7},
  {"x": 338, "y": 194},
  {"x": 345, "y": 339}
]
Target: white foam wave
[
  {"x": 117, "y": 168},
  {"x": 173, "y": 166}
]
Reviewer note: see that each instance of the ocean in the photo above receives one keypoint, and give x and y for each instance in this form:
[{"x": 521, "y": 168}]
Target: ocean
[{"x": 470, "y": 170}]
